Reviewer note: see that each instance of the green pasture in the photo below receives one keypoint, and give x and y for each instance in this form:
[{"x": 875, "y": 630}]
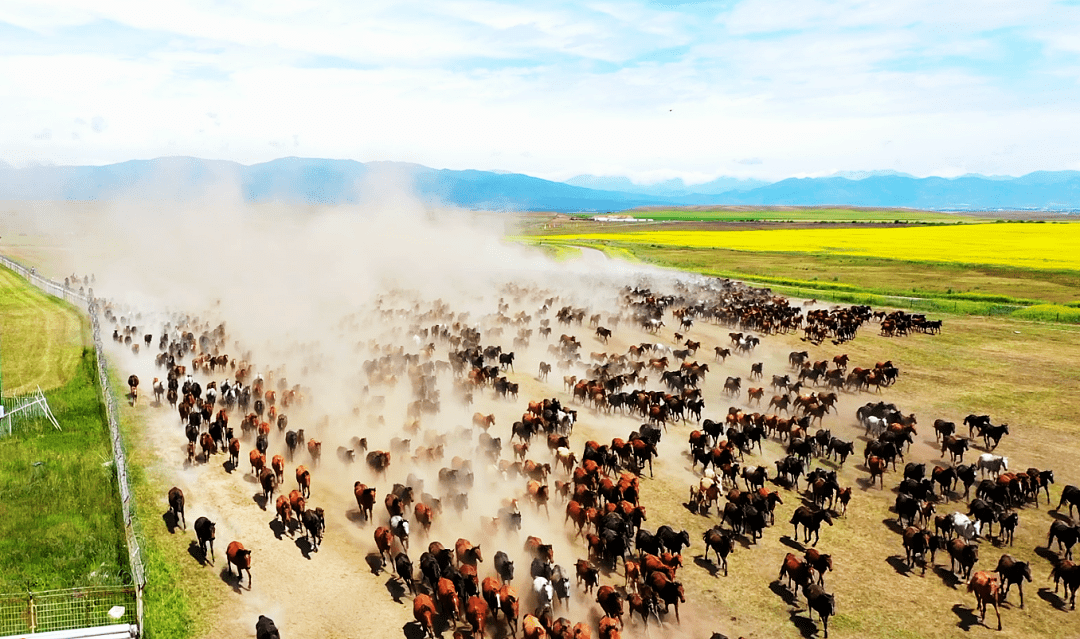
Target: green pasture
[
  {"x": 41, "y": 338},
  {"x": 60, "y": 518}
]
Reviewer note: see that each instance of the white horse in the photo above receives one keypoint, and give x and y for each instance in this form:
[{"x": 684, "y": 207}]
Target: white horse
[
  {"x": 400, "y": 527},
  {"x": 964, "y": 527},
  {"x": 992, "y": 463},
  {"x": 545, "y": 593}
]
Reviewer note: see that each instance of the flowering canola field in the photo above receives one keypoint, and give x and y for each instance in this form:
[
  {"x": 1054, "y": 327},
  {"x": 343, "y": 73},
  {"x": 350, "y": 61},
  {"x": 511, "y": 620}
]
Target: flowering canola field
[{"x": 1035, "y": 246}]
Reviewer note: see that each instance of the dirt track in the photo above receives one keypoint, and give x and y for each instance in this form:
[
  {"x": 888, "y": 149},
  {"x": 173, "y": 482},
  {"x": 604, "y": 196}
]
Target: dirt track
[{"x": 339, "y": 591}]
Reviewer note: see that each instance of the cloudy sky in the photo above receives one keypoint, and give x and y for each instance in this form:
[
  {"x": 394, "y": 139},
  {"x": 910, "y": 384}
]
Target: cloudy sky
[{"x": 651, "y": 90}]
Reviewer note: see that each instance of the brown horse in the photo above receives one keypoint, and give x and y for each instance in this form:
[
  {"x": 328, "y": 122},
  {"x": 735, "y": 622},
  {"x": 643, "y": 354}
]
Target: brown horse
[
  {"x": 467, "y": 554},
  {"x": 365, "y": 499},
  {"x": 476, "y": 612},
  {"x": 303, "y": 479},
  {"x": 133, "y": 386},
  {"x": 384, "y": 541},
  {"x": 424, "y": 613},
  {"x": 424, "y": 515},
  {"x": 278, "y": 464},
  {"x": 284, "y": 511},
  {"x": 241, "y": 558},
  {"x": 877, "y": 467},
  {"x": 508, "y": 604},
  {"x": 448, "y": 599},
  {"x": 985, "y": 586},
  {"x": 258, "y": 462}
]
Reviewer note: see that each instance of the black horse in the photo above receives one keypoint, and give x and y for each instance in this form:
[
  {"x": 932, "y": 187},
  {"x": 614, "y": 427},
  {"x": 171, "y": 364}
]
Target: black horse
[
  {"x": 821, "y": 602},
  {"x": 810, "y": 521},
  {"x": 1013, "y": 572}
]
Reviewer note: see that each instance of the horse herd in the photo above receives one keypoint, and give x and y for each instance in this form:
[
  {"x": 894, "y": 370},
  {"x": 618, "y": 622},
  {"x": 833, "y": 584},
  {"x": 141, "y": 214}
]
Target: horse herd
[{"x": 601, "y": 487}]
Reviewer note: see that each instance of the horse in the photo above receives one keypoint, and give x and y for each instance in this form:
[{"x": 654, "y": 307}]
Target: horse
[
  {"x": 476, "y": 612},
  {"x": 1013, "y": 572},
  {"x": 985, "y": 586},
  {"x": 284, "y": 511},
  {"x": 811, "y": 522},
  {"x": 241, "y": 558},
  {"x": 303, "y": 480},
  {"x": 365, "y": 499},
  {"x": 877, "y": 467},
  {"x": 819, "y": 601},
  {"x": 1069, "y": 495},
  {"x": 424, "y": 613},
  {"x": 176, "y": 505},
  {"x": 268, "y": 481},
  {"x": 1066, "y": 534},
  {"x": 508, "y": 604},
  {"x": 1069, "y": 573},
  {"x": 265, "y": 627},
  {"x": 796, "y": 570},
  {"x": 504, "y": 567},
  {"x": 133, "y": 386},
  {"x": 315, "y": 524},
  {"x": 721, "y": 543},
  {"x": 963, "y": 554},
  {"x": 384, "y": 541},
  {"x": 467, "y": 554},
  {"x": 544, "y": 592},
  {"x": 610, "y": 602},
  {"x": 399, "y": 526},
  {"x": 205, "y": 530},
  {"x": 916, "y": 543},
  {"x": 992, "y": 463}
]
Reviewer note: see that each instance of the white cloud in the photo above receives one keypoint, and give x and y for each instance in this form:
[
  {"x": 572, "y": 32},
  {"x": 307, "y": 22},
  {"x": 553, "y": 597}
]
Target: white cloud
[{"x": 553, "y": 90}]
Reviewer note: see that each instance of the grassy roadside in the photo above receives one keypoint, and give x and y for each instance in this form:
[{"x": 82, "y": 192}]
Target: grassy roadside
[
  {"x": 57, "y": 488},
  {"x": 181, "y": 597}
]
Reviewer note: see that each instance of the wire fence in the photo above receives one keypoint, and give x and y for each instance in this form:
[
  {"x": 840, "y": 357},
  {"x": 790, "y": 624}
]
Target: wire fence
[
  {"x": 33, "y": 612},
  {"x": 88, "y": 304}
]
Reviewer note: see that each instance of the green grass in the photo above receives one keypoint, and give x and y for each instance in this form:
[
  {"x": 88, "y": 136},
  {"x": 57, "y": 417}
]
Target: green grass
[
  {"x": 60, "y": 518},
  {"x": 42, "y": 337},
  {"x": 824, "y": 215},
  {"x": 56, "y": 487}
]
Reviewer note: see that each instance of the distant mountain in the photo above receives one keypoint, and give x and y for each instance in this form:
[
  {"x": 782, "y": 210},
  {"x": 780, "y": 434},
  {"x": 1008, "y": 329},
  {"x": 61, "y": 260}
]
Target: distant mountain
[
  {"x": 306, "y": 181},
  {"x": 668, "y": 188},
  {"x": 1043, "y": 190},
  {"x": 322, "y": 181}
]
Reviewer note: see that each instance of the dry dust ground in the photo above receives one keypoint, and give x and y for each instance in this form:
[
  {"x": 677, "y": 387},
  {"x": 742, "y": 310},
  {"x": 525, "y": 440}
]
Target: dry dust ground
[{"x": 339, "y": 591}]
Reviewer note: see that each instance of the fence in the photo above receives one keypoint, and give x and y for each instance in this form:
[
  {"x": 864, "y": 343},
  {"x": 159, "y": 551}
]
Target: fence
[
  {"x": 47, "y": 614},
  {"x": 33, "y": 612}
]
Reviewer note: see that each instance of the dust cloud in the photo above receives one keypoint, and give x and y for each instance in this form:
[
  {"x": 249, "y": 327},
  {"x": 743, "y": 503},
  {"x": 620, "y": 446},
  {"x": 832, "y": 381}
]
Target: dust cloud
[{"x": 309, "y": 299}]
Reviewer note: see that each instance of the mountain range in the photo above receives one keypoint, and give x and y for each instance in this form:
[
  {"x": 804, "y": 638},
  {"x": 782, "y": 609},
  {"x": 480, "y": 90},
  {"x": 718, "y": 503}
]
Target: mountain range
[{"x": 328, "y": 181}]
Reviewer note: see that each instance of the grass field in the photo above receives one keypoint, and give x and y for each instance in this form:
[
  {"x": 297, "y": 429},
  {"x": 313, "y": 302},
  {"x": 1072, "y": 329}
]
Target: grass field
[
  {"x": 57, "y": 488},
  {"x": 42, "y": 339},
  {"x": 1034, "y": 246},
  {"x": 802, "y": 214}
]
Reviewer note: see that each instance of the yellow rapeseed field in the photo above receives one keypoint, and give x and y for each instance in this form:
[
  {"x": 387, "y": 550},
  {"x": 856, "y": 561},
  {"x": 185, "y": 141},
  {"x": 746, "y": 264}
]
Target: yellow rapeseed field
[{"x": 1037, "y": 246}]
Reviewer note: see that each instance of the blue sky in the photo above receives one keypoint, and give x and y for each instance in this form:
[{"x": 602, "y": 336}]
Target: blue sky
[{"x": 650, "y": 90}]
